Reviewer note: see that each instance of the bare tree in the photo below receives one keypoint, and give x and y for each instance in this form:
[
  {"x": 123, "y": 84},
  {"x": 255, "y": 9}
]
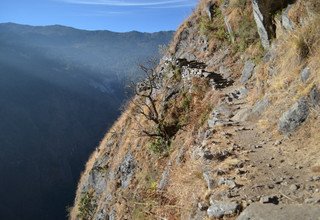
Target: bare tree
[{"x": 147, "y": 106}]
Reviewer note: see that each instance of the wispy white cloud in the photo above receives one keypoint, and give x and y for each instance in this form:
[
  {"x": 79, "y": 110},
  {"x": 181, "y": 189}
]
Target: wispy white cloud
[
  {"x": 172, "y": 6},
  {"x": 128, "y": 3},
  {"x": 102, "y": 13}
]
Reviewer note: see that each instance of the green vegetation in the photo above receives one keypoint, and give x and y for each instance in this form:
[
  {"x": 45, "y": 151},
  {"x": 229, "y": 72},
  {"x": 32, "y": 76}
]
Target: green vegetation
[
  {"x": 205, "y": 114},
  {"x": 186, "y": 102},
  {"x": 246, "y": 34},
  {"x": 177, "y": 74},
  {"x": 176, "y": 71},
  {"x": 239, "y": 4},
  {"x": 158, "y": 146},
  {"x": 215, "y": 27},
  {"x": 86, "y": 205}
]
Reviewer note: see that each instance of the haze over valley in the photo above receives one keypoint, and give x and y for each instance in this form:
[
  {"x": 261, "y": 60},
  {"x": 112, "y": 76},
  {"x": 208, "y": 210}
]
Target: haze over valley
[{"x": 60, "y": 90}]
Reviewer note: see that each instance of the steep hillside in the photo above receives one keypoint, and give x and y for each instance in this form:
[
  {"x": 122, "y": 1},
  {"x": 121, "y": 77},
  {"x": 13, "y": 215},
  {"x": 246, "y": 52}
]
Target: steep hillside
[
  {"x": 60, "y": 90},
  {"x": 226, "y": 126}
]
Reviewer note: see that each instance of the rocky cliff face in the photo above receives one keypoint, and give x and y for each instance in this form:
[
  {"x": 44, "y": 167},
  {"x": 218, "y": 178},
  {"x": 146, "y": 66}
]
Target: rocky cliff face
[{"x": 238, "y": 90}]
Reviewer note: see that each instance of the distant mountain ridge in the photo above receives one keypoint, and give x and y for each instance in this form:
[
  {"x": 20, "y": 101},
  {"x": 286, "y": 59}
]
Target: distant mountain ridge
[{"x": 60, "y": 90}]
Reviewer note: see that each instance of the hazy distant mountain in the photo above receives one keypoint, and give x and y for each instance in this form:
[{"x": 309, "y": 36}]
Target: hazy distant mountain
[{"x": 60, "y": 89}]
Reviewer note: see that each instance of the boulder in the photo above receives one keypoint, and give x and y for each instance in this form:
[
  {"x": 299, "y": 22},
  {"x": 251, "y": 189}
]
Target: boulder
[
  {"x": 262, "y": 19},
  {"x": 263, "y": 12},
  {"x": 260, "y": 106},
  {"x": 286, "y": 22},
  {"x": 280, "y": 212},
  {"x": 242, "y": 115},
  {"x": 269, "y": 199},
  {"x": 313, "y": 200},
  {"x": 247, "y": 71},
  {"x": 171, "y": 93},
  {"x": 207, "y": 177},
  {"x": 97, "y": 178},
  {"x": 224, "y": 7},
  {"x": 228, "y": 182},
  {"x": 314, "y": 97},
  {"x": 305, "y": 73},
  {"x": 294, "y": 117},
  {"x": 209, "y": 9},
  {"x": 165, "y": 177},
  {"x": 219, "y": 209},
  {"x": 126, "y": 170}
]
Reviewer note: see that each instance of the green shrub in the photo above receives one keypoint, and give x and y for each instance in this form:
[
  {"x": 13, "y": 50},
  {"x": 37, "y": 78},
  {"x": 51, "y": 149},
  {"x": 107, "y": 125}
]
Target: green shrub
[
  {"x": 86, "y": 205},
  {"x": 246, "y": 33},
  {"x": 177, "y": 74},
  {"x": 205, "y": 114},
  {"x": 186, "y": 102},
  {"x": 158, "y": 146},
  {"x": 215, "y": 27}
]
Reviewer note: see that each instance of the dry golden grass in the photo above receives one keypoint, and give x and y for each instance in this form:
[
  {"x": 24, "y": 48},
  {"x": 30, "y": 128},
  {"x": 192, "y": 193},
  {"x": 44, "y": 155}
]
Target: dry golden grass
[
  {"x": 295, "y": 50},
  {"x": 280, "y": 78},
  {"x": 316, "y": 169}
]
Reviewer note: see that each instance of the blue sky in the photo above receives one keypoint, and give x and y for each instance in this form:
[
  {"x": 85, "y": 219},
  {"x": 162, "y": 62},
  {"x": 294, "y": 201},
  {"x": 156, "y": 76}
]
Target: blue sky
[{"x": 114, "y": 15}]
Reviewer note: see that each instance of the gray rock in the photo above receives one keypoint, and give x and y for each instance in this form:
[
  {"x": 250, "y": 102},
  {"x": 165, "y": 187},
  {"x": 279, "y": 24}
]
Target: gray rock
[
  {"x": 270, "y": 55},
  {"x": 224, "y": 71},
  {"x": 286, "y": 22},
  {"x": 242, "y": 115},
  {"x": 112, "y": 215},
  {"x": 206, "y": 74},
  {"x": 181, "y": 156},
  {"x": 220, "y": 116},
  {"x": 294, "y": 117},
  {"x": 260, "y": 106},
  {"x": 277, "y": 143},
  {"x": 247, "y": 71},
  {"x": 269, "y": 199},
  {"x": 243, "y": 93},
  {"x": 126, "y": 170},
  {"x": 97, "y": 181},
  {"x": 261, "y": 21},
  {"x": 258, "y": 211},
  {"x": 314, "y": 97},
  {"x": 223, "y": 110},
  {"x": 207, "y": 177},
  {"x": 305, "y": 73},
  {"x": 239, "y": 93},
  {"x": 197, "y": 153},
  {"x": 208, "y": 134},
  {"x": 229, "y": 27},
  {"x": 165, "y": 177},
  {"x": 171, "y": 92},
  {"x": 214, "y": 121},
  {"x": 187, "y": 55},
  {"x": 209, "y": 8},
  {"x": 102, "y": 215},
  {"x": 294, "y": 187},
  {"x": 228, "y": 182},
  {"x": 219, "y": 209},
  {"x": 313, "y": 200}
]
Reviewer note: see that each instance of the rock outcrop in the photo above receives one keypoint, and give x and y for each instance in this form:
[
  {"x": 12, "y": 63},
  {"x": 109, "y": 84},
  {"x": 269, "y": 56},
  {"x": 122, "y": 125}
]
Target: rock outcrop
[
  {"x": 231, "y": 112},
  {"x": 264, "y": 12},
  {"x": 294, "y": 117}
]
